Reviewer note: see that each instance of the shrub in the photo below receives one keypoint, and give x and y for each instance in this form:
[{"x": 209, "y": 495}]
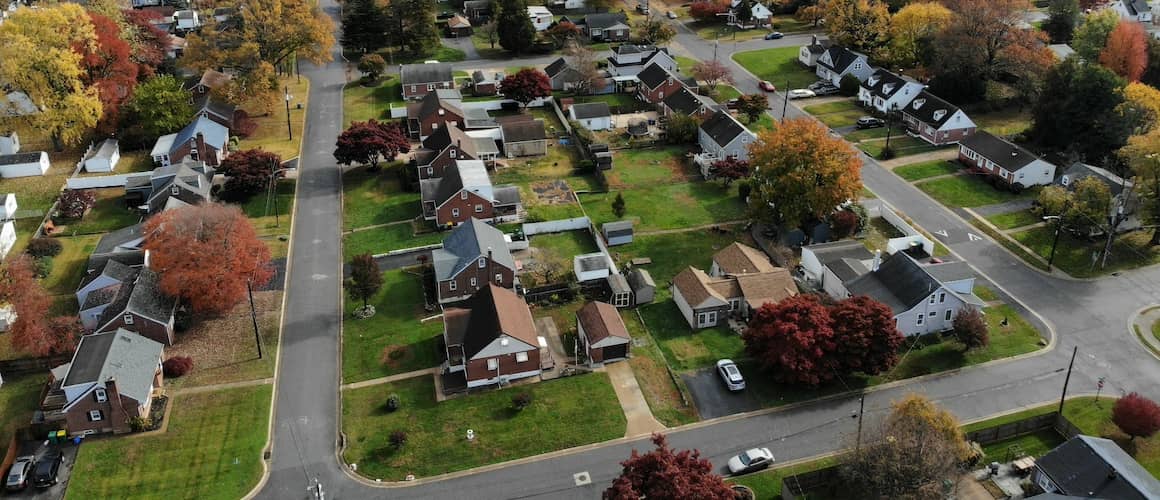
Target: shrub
[
  {"x": 244, "y": 125},
  {"x": 75, "y": 202},
  {"x": 43, "y": 266},
  {"x": 393, "y": 402},
  {"x": 863, "y": 216},
  {"x": 618, "y": 206},
  {"x": 743, "y": 190},
  {"x": 970, "y": 329},
  {"x": 1136, "y": 416},
  {"x": 140, "y": 424},
  {"x": 398, "y": 438},
  {"x": 44, "y": 247},
  {"x": 177, "y": 366},
  {"x": 849, "y": 84},
  {"x": 843, "y": 223},
  {"x": 521, "y": 400}
]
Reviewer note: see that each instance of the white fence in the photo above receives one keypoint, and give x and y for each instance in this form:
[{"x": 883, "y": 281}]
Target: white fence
[
  {"x": 492, "y": 105},
  {"x": 912, "y": 237},
  {"x": 103, "y": 181},
  {"x": 556, "y": 226}
]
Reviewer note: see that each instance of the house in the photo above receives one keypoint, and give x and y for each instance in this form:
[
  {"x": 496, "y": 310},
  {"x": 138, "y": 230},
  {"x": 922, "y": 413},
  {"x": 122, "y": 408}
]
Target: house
[
  {"x": 593, "y": 115},
  {"x": 524, "y": 137},
  {"x": 1133, "y": 10},
  {"x": 721, "y": 137},
  {"x": 109, "y": 381},
  {"x": 688, "y": 102},
  {"x": 1093, "y": 467},
  {"x": 591, "y": 266},
  {"x": 617, "y": 233},
  {"x": 445, "y": 108},
  {"x": 98, "y": 289},
  {"x": 826, "y": 266},
  {"x": 760, "y": 15},
  {"x": 491, "y": 339},
  {"x": 173, "y": 186},
  {"x": 202, "y": 140},
  {"x": 984, "y": 153},
  {"x": 541, "y": 17},
  {"x": 630, "y": 59},
  {"x": 562, "y": 76},
  {"x": 886, "y": 91},
  {"x": 458, "y": 26},
  {"x": 1125, "y": 201},
  {"x": 567, "y": 4},
  {"x": 17, "y": 103},
  {"x": 419, "y": 79},
  {"x": 24, "y": 164},
  {"x": 837, "y": 62},
  {"x": 485, "y": 84},
  {"x": 140, "y": 306},
  {"x": 706, "y": 301},
  {"x": 9, "y": 143},
  {"x": 465, "y": 191},
  {"x": 1061, "y": 50},
  {"x": 924, "y": 299},
  {"x": 473, "y": 255},
  {"x": 606, "y": 27},
  {"x": 219, "y": 111},
  {"x": 657, "y": 82},
  {"x": 737, "y": 259},
  {"x": 936, "y": 121},
  {"x": 125, "y": 245},
  {"x": 643, "y": 287},
  {"x": 186, "y": 21},
  {"x": 477, "y": 11},
  {"x": 224, "y": 14},
  {"x": 209, "y": 81},
  {"x": 445, "y": 146},
  {"x": 104, "y": 158},
  {"x": 602, "y": 333}
]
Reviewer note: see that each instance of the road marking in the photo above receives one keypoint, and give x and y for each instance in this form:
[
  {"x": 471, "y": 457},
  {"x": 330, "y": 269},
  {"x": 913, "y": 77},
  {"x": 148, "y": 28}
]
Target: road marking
[
  {"x": 943, "y": 233},
  {"x": 318, "y": 277},
  {"x": 972, "y": 237},
  {"x": 582, "y": 478}
]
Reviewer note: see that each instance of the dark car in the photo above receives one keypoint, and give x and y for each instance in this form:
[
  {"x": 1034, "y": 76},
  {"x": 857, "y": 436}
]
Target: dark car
[
  {"x": 732, "y": 103},
  {"x": 47, "y": 469},
  {"x": 445, "y": 15},
  {"x": 19, "y": 473},
  {"x": 870, "y": 122},
  {"x": 826, "y": 89},
  {"x": 774, "y": 36}
]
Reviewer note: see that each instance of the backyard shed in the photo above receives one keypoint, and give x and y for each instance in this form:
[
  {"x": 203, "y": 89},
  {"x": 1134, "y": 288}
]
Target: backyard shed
[
  {"x": 23, "y": 164},
  {"x": 8, "y": 210},
  {"x": 603, "y": 333},
  {"x": 104, "y": 158},
  {"x": 617, "y": 233},
  {"x": 9, "y": 143},
  {"x": 590, "y": 266},
  {"x": 7, "y": 239},
  {"x": 643, "y": 287},
  {"x": 620, "y": 292}
]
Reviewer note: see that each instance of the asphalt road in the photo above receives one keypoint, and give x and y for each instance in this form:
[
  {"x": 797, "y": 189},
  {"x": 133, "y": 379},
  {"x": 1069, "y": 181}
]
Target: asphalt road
[{"x": 1092, "y": 315}]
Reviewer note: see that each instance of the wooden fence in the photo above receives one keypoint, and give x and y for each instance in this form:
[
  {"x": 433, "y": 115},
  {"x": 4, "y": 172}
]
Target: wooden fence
[{"x": 31, "y": 365}]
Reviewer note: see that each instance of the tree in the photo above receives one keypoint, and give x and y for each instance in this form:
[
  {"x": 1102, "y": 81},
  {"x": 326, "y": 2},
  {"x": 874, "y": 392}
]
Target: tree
[
  {"x": 365, "y": 278},
  {"x": 527, "y": 85},
  {"x": 185, "y": 242},
  {"x": 794, "y": 340},
  {"x": 33, "y": 332},
  {"x": 75, "y": 203},
  {"x": 1146, "y": 99},
  {"x": 1126, "y": 52},
  {"x": 248, "y": 172},
  {"x": 1136, "y": 416},
  {"x": 913, "y": 27},
  {"x": 160, "y": 106},
  {"x": 970, "y": 329},
  {"x": 516, "y": 33},
  {"x": 752, "y": 106},
  {"x": 1079, "y": 111},
  {"x": 1143, "y": 155},
  {"x": 372, "y": 65},
  {"x": 366, "y": 142},
  {"x": 681, "y": 129},
  {"x": 364, "y": 26},
  {"x": 744, "y": 11},
  {"x": 146, "y": 41},
  {"x": 860, "y": 25},
  {"x": 1062, "y": 18},
  {"x": 416, "y": 20},
  {"x": 654, "y": 31},
  {"x": 708, "y": 10},
  {"x": 1151, "y": 74},
  {"x": 843, "y": 223},
  {"x": 665, "y": 473},
  {"x": 563, "y": 32},
  {"x": 38, "y": 58},
  {"x": 601, "y": 5},
  {"x": 865, "y": 334},
  {"x": 812, "y": 14},
  {"x": 110, "y": 69},
  {"x": 801, "y": 172},
  {"x": 586, "y": 74},
  {"x": 1090, "y": 38},
  {"x": 490, "y": 32},
  {"x": 618, "y": 206},
  {"x": 712, "y": 73},
  {"x": 1090, "y": 207},
  {"x": 729, "y": 170}
]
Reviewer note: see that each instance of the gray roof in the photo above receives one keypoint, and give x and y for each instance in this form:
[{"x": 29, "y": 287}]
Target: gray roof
[
  {"x": 216, "y": 107},
  {"x": 143, "y": 297},
  {"x": 605, "y": 20},
  {"x": 193, "y": 188},
  {"x": 101, "y": 296},
  {"x": 847, "y": 269},
  {"x": 723, "y": 128},
  {"x": 592, "y": 261},
  {"x": 466, "y": 244},
  {"x": 838, "y": 250},
  {"x": 129, "y": 359},
  {"x": 215, "y": 134},
  {"x": 425, "y": 73},
  {"x": 556, "y": 67},
  {"x": 818, "y": 44},
  {"x": 1005, "y": 154},
  {"x": 1095, "y": 467},
  {"x": 926, "y": 105},
  {"x": 18, "y": 158},
  {"x": 108, "y": 147},
  {"x": 523, "y": 131},
  {"x": 619, "y": 227},
  {"x": 506, "y": 195},
  {"x": 950, "y": 271},
  {"x": 1136, "y": 7},
  {"x": 899, "y": 282},
  {"x": 597, "y": 109},
  {"x": 618, "y": 284},
  {"x": 112, "y": 269},
  {"x": 1080, "y": 170},
  {"x": 110, "y": 242},
  {"x": 640, "y": 278},
  {"x": 841, "y": 57}
]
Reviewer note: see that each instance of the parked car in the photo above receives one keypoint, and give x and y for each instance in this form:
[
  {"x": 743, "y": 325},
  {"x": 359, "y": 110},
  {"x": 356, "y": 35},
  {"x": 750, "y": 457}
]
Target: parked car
[
  {"x": 801, "y": 93},
  {"x": 671, "y": 15},
  {"x": 19, "y": 473},
  {"x": 730, "y": 374},
  {"x": 47, "y": 469},
  {"x": 766, "y": 86},
  {"x": 774, "y": 35},
  {"x": 870, "y": 122},
  {"x": 731, "y": 103},
  {"x": 826, "y": 89},
  {"x": 751, "y": 460}
]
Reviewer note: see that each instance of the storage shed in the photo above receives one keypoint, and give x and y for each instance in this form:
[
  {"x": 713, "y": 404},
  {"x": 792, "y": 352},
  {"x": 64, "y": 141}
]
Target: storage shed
[
  {"x": 23, "y": 164},
  {"x": 603, "y": 333},
  {"x": 104, "y": 158},
  {"x": 8, "y": 210},
  {"x": 620, "y": 294},
  {"x": 617, "y": 233},
  {"x": 7, "y": 238},
  {"x": 643, "y": 287},
  {"x": 9, "y": 143},
  {"x": 591, "y": 266}
]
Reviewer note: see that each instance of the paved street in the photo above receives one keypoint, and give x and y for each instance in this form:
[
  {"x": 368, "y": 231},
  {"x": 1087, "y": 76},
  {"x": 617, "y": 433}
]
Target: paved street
[{"x": 1090, "y": 314}]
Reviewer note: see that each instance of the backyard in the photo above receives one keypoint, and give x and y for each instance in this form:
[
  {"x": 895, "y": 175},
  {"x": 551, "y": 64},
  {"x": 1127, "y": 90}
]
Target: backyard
[
  {"x": 394, "y": 340},
  {"x": 778, "y": 65},
  {"x": 671, "y": 206},
  {"x": 647, "y": 167}
]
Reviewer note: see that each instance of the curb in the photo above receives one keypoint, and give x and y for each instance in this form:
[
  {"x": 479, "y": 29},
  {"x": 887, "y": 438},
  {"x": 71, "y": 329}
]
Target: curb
[{"x": 1140, "y": 335}]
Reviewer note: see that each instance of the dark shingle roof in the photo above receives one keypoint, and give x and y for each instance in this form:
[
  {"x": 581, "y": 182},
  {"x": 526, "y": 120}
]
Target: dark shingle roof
[
  {"x": 110, "y": 241},
  {"x": 466, "y": 244},
  {"x": 425, "y": 73},
  {"x": 1094, "y": 467},
  {"x": 601, "y": 320},
  {"x": 591, "y": 110},
  {"x": 18, "y": 158},
  {"x": 529, "y": 130},
  {"x": 885, "y": 84},
  {"x": 930, "y": 109},
  {"x": 950, "y": 271},
  {"x": 653, "y": 75},
  {"x": 1136, "y": 7},
  {"x": 842, "y": 58},
  {"x": 900, "y": 282},
  {"x": 556, "y": 67},
  {"x": 605, "y": 20},
  {"x": 723, "y": 128},
  {"x": 1005, "y": 154},
  {"x": 1080, "y": 170},
  {"x": 143, "y": 297},
  {"x": 101, "y": 296},
  {"x": 216, "y": 107},
  {"x": 112, "y": 269},
  {"x": 684, "y": 101},
  {"x": 838, "y": 250}
]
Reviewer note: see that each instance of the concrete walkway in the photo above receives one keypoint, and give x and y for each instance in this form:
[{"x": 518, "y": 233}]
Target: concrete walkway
[
  {"x": 636, "y": 411},
  {"x": 1143, "y": 322},
  {"x": 942, "y": 154},
  {"x": 391, "y": 378}
]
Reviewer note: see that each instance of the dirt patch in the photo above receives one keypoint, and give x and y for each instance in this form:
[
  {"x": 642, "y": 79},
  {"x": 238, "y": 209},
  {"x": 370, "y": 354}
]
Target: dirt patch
[
  {"x": 553, "y": 192},
  {"x": 394, "y": 356}
]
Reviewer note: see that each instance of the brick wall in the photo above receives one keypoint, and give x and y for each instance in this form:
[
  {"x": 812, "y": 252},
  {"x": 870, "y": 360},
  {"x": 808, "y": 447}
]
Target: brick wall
[
  {"x": 444, "y": 214},
  {"x": 144, "y": 326},
  {"x": 477, "y": 368}
]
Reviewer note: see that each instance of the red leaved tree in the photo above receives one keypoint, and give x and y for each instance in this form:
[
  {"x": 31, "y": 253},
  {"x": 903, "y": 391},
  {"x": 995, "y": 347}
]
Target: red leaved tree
[
  {"x": 970, "y": 328},
  {"x": 1136, "y": 415},
  {"x": 1126, "y": 53},
  {"x": 110, "y": 69},
  {"x": 33, "y": 332},
  {"x": 712, "y": 73},
  {"x": 248, "y": 172},
  {"x": 367, "y": 142},
  {"x": 707, "y": 10},
  {"x": 147, "y": 42},
  {"x": 729, "y": 169},
  {"x": 867, "y": 339},
  {"x": 526, "y": 85},
  {"x": 667, "y": 474},
  {"x": 794, "y": 339},
  {"x": 205, "y": 254}
]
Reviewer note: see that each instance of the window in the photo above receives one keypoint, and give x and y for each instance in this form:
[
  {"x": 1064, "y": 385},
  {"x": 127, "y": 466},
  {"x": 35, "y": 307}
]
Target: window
[
  {"x": 661, "y": 95},
  {"x": 452, "y": 285},
  {"x": 451, "y": 152},
  {"x": 430, "y": 171},
  {"x": 128, "y": 319},
  {"x": 430, "y": 87},
  {"x": 942, "y": 297},
  {"x": 435, "y": 126},
  {"x": 95, "y": 416},
  {"x": 455, "y": 213},
  {"x": 947, "y": 317},
  {"x": 918, "y": 322},
  {"x": 493, "y": 364},
  {"x": 1064, "y": 180},
  {"x": 463, "y": 195},
  {"x": 193, "y": 154},
  {"x": 857, "y": 66},
  {"x": 482, "y": 262},
  {"x": 931, "y": 314},
  {"x": 521, "y": 357},
  {"x": 498, "y": 278},
  {"x": 174, "y": 190},
  {"x": 473, "y": 282},
  {"x": 932, "y": 298},
  {"x": 478, "y": 208},
  {"x": 101, "y": 395}
]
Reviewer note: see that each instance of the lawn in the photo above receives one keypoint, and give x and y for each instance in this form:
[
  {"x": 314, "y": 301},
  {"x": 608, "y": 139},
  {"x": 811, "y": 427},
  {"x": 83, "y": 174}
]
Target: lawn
[
  {"x": 1012, "y": 220},
  {"x": 618, "y": 103},
  {"x": 275, "y": 220},
  {"x": 372, "y": 198},
  {"x": 903, "y": 145},
  {"x": 836, "y": 114},
  {"x": 223, "y": 348},
  {"x": 361, "y": 103},
  {"x": 1074, "y": 255},
  {"x": 918, "y": 171},
  {"x": 69, "y": 267},
  {"x": 985, "y": 293},
  {"x": 19, "y": 397},
  {"x": 271, "y": 134},
  {"x": 564, "y": 245},
  {"x": 442, "y": 53},
  {"x": 867, "y": 133},
  {"x": 777, "y": 65},
  {"x": 1156, "y": 329},
  {"x": 661, "y": 390},
  {"x": 1007, "y": 122},
  {"x": 564, "y": 413},
  {"x": 386, "y": 238},
  {"x": 673, "y": 252},
  {"x": 216, "y": 438},
  {"x": 108, "y": 214},
  {"x": 484, "y": 47},
  {"x": 767, "y": 484},
  {"x": 763, "y": 122},
  {"x": 685, "y": 348},
  {"x": 879, "y": 231},
  {"x": 969, "y": 191},
  {"x": 1036, "y": 444},
  {"x": 725, "y": 93},
  {"x": 645, "y": 167},
  {"x": 393, "y": 340},
  {"x": 711, "y": 31},
  {"x": 685, "y": 64},
  {"x": 669, "y": 207}
]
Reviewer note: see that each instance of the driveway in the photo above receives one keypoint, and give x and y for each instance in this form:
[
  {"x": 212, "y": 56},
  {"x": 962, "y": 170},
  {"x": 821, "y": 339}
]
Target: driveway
[
  {"x": 56, "y": 492},
  {"x": 712, "y": 398},
  {"x": 464, "y": 44}
]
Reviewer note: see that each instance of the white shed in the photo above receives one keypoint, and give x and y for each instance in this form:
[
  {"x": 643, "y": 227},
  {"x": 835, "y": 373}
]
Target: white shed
[
  {"x": 7, "y": 316},
  {"x": 105, "y": 158},
  {"x": 7, "y": 238},
  {"x": 593, "y": 115},
  {"x": 8, "y": 210},
  {"x": 9, "y": 143},
  {"x": 591, "y": 266},
  {"x": 617, "y": 233},
  {"x": 23, "y": 164}
]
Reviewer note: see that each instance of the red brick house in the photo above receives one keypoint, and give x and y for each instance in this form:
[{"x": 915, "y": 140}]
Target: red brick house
[
  {"x": 445, "y": 146},
  {"x": 603, "y": 334},
  {"x": 140, "y": 307},
  {"x": 465, "y": 191},
  {"x": 444, "y": 108},
  {"x": 474, "y": 255},
  {"x": 657, "y": 82},
  {"x": 109, "y": 381},
  {"x": 419, "y": 79},
  {"x": 491, "y": 339},
  {"x": 935, "y": 120}
]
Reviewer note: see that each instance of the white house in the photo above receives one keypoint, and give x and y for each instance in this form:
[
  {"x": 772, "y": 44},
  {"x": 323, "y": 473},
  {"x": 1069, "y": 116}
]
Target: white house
[
  {"x": 885, "y": 91},
  {"x": 8, "y": 209},
  {"x": 809, "y": 53},
  {"x": 569, "y": 4},
  {"x": 24, "y": 164},
  {"x": 985, "y": 153},
  {"x": 628, "y": 59},
  {"x": 593, "y": 115},
  {"x": 105, "y": 158},
  {"x": 923, "y": 298},
  {"x": 761, "y": 15},
  {"x": 541, "y": 17},
  {"x": 1133, "y": 10},
  {"x": 9, "y": 143},
  {"x": 186, "y": 20},
  {"x": 721, "y": 137},
  {"x": 837, "y": 62}
]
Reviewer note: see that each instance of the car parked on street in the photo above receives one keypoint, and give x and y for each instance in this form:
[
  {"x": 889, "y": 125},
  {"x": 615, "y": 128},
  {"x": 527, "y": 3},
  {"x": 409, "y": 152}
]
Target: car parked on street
[
  {"x": 730, "y": 374},
  {"x": 801, "y": 94},
  {"x": 870, "y": 122},
  {"x": 774, "y": 35},
  {"x": 19, "y": 473},
  {"x": 47, "y": 469},
  {"x": 750, "y": 460},
  {"x": 766, "y": 86}
]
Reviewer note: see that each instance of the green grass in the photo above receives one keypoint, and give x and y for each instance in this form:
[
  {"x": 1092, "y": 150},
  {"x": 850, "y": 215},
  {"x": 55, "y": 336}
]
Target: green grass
[
  {"x": 778, "y": 65},
  {"x": 685, "y": 64},
  {"x": 673, "y": 252},
  {"x": 564, "y": 413},
  {"x": 662, "y": 391},
  {"x": 393, "y": 340},
  {"x": 1012, "y": 220},
  {"x": 868, "y": 133},
  {"x": 685, "y": 348},
  {"x": 969, "y": 191},
  {"x": 767, "y": 484},
  {"x": 618, "y": 103},
  {"x": 108, "y": 214},
  {"x": 713, "y": 30},
  {"x": 440, "y": 53},
  {"x": 926, "y": 169},
  {"x": 669, "y": 207},
  {"x": 1156, "y": 329},
  {"x": 647, "y": 167},
  {"x": 763, "y": 122},
  {"x": 484, "y": 48},
  {"x": 216, "y": 437},
  {"x": 725, "y": 93},
  {"x": 69, "y": 267},
  {"x": 384, "y": 239},
  {"x": 1074, "y": 256},
  {"x": 271, "y": 134},
  {"x": 903, "y": 145},
  {"x": 360, "y": 103},
  {"x": 833, "y": 107},
  {"x": 19, "y": 397},
  {"x": 563, "y": 246},
  {"x": 276, "y": 222},
  {"x": 1035, "y": 444},
  {"x": 371, "y": 198},
  {"x": 836, "y": 114},
  {"x": 985, "y": 293},
  {"x": 1011, "y": 245},
  {"x": 1006, "y": 122}
]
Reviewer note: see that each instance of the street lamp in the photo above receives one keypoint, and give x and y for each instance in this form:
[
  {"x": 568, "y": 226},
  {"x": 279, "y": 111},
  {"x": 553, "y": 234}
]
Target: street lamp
[
  {"x": 889, "y": 112},
  {"x": 1055, "y": 241},
  {"x": 289, "y": 130}
]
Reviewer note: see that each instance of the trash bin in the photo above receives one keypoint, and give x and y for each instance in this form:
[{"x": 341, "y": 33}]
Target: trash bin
[
  {"x": 52, "y": 437},
  {"x": 62, "y": 436}
]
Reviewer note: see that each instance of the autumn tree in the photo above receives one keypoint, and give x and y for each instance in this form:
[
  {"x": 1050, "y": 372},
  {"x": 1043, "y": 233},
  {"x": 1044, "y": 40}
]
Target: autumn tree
[
  {"x": 654, "y": 31},
  {"x": 1151, "y": 74},
  {"x": 794, "y": 340},
  {"x": 147, "y": 43},
  {"x": 527, "y": 85},
  {"x": 1079, "y": 111},
  {"x": 364, "y": 26},
  {"x": 913, "y": 28},
  {"x": 801, "y": 171},
  {"x": 713, "y": 73},
  {"x": 1090, "y": 38},
  {"x": 516, "y": 32},
  {"x": 367, "y": 142},
  {"x": 110, "y": 69},
  {"x": 1136, "y": 416},
  {"x": 585, "y": 76},
  {"x": 563, "y": 32},
  {"x": 184, "y": 242},
  {"x": 752, "y": 106},
  {"x": 664, "y": 473},
  {"x": 248, "y": 172},
  {"x": 33, "y": 332},
  {"x": 865, "y": 335},
  {"x": 1126, "y": 52},
  {"x": 860, "y": 25},
  {"x": 372, "y": 65},
  {"x": 812, "y": 14},
  {"x": 729, "y": 170},
  {"x": 365, "y": 279},
  {"x": 708, "y": 10},
  {"x": 970, "y": 329},
  {"x": 1090, "y": 207},
  {"x": 1143, "y": 155},
  {"x": 1145, "y": 99},
  {"x": 159, "y": 106},
  {"x": 681, "y": 129},
  {"x": 1062, "y": 18}
]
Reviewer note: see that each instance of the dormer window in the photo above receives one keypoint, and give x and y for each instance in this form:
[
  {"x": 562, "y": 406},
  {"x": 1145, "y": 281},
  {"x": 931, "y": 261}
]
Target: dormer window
[
  {"x": 174, "y": 190},
  {"x": 193, "y": 154},
  {"x": 442, "y": 112},
  {"x": 938, "y": 115},
  {"x": 127, "y": 319},
  {"x": 873, "y": 81},
  {"x": 482, "y": 262},
  {"x": 918, "y": 103},
  {"x": 886, "y": 89},
  {"x": 463, "y": 195},
  {"x": 452, "y": 152}
]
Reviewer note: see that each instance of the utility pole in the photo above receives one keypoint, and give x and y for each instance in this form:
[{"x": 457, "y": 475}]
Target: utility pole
[
  {"x": 861, "y": 407},
  {"x": 254, "y": 318},
  {"x": 785, "y": 100},
  {"x": 1067, "y": 379},
  {"x": 889, "y": 124},
  {"x": 289, "y": 130}
]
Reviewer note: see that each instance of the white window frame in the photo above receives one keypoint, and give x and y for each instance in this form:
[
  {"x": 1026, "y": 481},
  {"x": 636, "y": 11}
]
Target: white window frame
[
  {"x": 463, "y": 195},
  {"x": 498, "y": 278},
  {"x": 942, "y": 297},
  {"x": 522, "y": 357},
  {"x": 430, "y": 171},
  {"x": 100, "y": 394},
  {"x": 452, "y": 152},
  {"x": 455, "y": 212},
  {"x": 127, "y": 319},
  {"x": 947, "y": 317},
  {"x": 482, "y": 262},
  {"x": 493, "y": 364},
  {"x": 931, "y": 299},
  {"x": 473, "y": 281},
  {"x": 478, "y": 208},
  {"x": 96, "y": 416},
  {"x": 430, "y": 87},
  {"x": 452, "y": 285},
  {"x": 174, "y": 190},
  {"x": 918, "y": 322}
]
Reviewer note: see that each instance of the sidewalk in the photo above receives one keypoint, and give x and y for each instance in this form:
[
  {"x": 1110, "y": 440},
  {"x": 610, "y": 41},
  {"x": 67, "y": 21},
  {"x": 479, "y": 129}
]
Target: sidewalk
[
  {"x": 636, "y": 410},
  {"x": 391, "y": 378}
]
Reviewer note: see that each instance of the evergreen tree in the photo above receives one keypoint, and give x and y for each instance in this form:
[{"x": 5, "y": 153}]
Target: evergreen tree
[
  {"x": 1063, "y": 16},
  {"x": 516, "y": 32},
  {"x": 420, "y": 36},
  {"x": 363, "y": 26},
  {"x": 745, "y": 11}
]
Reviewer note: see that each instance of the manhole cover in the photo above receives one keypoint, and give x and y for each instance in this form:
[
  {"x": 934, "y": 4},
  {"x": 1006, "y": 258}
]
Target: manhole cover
[{"x": 582, "y": 478}]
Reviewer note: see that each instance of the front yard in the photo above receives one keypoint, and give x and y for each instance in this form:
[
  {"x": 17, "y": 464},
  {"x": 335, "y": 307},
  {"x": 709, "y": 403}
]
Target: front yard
[
  {"x": 1075, "y": 255},
  {"x": 662, "y": 391},
  {"x": 19, "y": 397},
  {"x": 970, "y": 191},
  {"x": 902, "y": 144},
  {"x": 271, "y": 134},
  {"x": 223, "y": 348},
  {"x": 837, "y": 114},
  {"x": 386, "y": 238},
  {"x": 393, "y": 340},
  {"x": 919, "y": 171},
  {"x": 673, "y": 206},
  {"x": 778, "y": 65},
  {"x": 564, "y": 413},
  {"x": 720, "y": 31},
  {"x": 361, "y": 103},
  {"x": 372, "y": 198}
]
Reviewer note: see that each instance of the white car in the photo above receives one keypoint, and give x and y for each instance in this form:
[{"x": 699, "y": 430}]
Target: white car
[
  {"x": 730, "y": 374},
  {"x": 750, "y": 460},
  {"x": 801, "y": 93}
]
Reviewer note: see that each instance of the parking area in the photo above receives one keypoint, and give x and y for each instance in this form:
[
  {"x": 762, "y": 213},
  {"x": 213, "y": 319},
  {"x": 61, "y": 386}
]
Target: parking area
[
  {"x": 40, "y": 449},
  {"x": 712, "y": 398}
]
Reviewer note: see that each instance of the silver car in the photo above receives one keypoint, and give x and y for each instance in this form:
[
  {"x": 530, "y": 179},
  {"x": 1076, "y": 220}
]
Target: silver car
[
  {"x": 730, "y": 374},
  {"x": 20, "y": 473},
  {"x": 750, "y": 460}
]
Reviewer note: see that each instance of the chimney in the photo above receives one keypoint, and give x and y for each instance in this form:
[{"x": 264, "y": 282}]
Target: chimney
[
  {"x": 877, "y": 260},
  {"x": 487, "y": 277}
]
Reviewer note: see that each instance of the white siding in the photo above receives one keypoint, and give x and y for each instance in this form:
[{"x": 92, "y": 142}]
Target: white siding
[
  {"x": 811, "y": 265},
  {"x": 938, "y": 322},
  {"x": 497, "y": 347},
  {"x": 686, "y": 309},
  {"x": 493, "y": 380},
  {"x": 26, "y": 169},
  {"x": 1038, "y": 173}
]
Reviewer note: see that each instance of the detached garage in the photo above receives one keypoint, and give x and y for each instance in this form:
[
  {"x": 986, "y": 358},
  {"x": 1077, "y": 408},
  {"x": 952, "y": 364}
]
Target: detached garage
[
  {"x": 104, "y": 158},
  {"x": 593, "y": 115},
  {"x": 603, "y": 333},
  {"x": 23, "y": 164}
]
